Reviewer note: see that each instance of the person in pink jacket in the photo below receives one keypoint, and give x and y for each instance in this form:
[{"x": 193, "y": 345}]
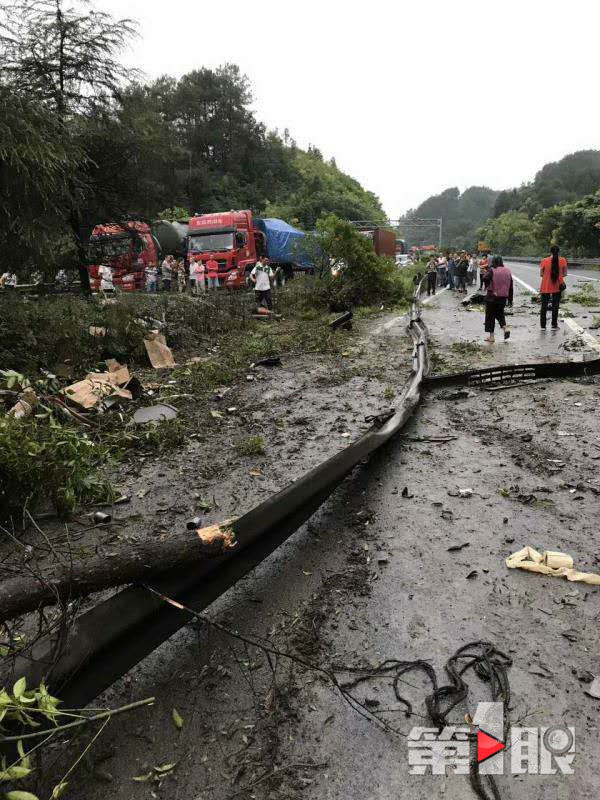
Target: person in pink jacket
[{"x": 499, "y": 283}]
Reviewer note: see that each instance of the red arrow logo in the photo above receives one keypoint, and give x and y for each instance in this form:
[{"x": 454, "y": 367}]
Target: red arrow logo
[{"x": 487, "y": 746}]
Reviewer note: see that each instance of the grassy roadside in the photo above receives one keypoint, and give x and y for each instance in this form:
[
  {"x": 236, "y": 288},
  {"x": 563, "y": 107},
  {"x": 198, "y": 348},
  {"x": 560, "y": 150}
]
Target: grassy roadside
[{"x": 50, "y": 460}]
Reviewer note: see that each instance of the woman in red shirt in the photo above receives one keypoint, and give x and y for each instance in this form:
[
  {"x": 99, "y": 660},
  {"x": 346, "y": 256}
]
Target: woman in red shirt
[{"x": 553, "y": 270}]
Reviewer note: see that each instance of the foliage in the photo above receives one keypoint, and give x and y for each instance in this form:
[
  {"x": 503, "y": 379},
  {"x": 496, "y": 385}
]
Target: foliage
[
  {"x": 462, "y": 214},
  {"x": 39, "y": 165},
  {"x": 323, "y": 188},
  {"x": 512, "y": 233},
  {"x": 174, "y": 214},
  {"x": 252, "y": 446},
  {"x": 574, "y": 226},
  {"x": 63, "y": 55},
  {"x": 349, "y": 273},
  {"x": 558, "y": 182},
  {"x": 43, "y": 460},
  {"x": 588, "y": 296}
]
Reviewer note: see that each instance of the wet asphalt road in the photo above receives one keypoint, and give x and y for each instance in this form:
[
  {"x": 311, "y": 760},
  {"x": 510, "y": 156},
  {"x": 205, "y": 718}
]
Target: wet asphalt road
[{"x": 371, "y": 577}]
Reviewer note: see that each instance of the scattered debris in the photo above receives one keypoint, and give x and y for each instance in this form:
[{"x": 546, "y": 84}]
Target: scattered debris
[
  {"x": 472, "y": 574},
  {"x": 594, "y": 689},
  {"x": 406, "y": 494},
  {"x": 97, "y": 331},
  {"x": 456, "y": 547},
  {"x": 25, "y": 404},
  {"x": 550, "y": 563},
  {"x": 96, "y": 386},
  {"x": 157, "y": 413},
  {"x": 101, "y": 517},
  {"x": 461, "y": 394},
  {"x": 344, "y": 321},
  {"x": 270, "y": 361},
  {"x": 159, "y": 352}
]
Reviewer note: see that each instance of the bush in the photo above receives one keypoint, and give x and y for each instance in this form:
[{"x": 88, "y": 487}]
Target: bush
[
  {"x": 349, "y": 272},
  {"x": 42, "y": 460}
]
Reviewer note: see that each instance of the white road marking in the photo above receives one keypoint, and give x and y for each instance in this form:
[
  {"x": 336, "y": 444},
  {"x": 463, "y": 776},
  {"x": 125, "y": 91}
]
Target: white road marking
[
  {"x": 587, "y": 337},
  {"x": 390, "y": 324},
  {"x": 573, "y": 274},
  {"x": 433, "y": 296}
]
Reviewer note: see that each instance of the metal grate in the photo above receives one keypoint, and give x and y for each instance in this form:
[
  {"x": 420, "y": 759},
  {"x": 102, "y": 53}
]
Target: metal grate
[{"x": 493, "y": 375}]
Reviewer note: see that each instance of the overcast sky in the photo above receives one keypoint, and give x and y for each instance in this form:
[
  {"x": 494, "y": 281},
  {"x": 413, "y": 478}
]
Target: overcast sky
[{"x": 409, "y": 97}]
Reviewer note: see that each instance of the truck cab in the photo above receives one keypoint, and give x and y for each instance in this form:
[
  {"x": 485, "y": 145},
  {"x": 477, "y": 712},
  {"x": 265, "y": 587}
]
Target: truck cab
[
  {"x": 231, "y": 238},
  {"x": 125, "y": 247}
]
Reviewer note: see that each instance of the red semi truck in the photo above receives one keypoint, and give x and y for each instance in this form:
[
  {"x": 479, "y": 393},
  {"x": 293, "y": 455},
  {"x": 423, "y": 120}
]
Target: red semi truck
[
  {"x": 233, "y": 240},
  {"x": 128, "y": 247},
  {"x": 236, "y": 239}
]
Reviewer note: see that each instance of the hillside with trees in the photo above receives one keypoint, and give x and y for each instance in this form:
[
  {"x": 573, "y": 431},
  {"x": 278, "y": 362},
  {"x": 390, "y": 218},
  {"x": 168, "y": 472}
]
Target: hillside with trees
[
  {"x": 561, "y": 205},
  {"x": 83, "y": 141},
  {"x": 462, "y": 213}
]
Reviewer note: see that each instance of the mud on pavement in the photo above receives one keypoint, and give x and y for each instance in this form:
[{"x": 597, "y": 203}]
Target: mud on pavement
[{"x": 406, "y": 561}]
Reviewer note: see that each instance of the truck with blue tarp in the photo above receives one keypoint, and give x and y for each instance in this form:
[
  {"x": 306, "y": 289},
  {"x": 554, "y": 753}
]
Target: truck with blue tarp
[{"x": 236, "y": 240}]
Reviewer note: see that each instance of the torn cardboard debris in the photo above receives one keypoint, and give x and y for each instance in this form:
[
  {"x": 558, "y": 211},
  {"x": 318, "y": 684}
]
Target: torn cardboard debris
[
  {"x": 550, "y": 563},
  {"x": 88, "y": 392},
  {"x": 159, "y": 352},
  {"x": 25, "y": 404}
]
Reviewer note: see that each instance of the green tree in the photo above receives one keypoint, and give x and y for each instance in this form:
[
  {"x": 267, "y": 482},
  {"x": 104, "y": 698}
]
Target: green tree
[
  {"x": 39, "y": 164},
  {"x": 66, "y": 58},
  {"x": 574, "y": 226},
  {"x": 512, "y": 233}
]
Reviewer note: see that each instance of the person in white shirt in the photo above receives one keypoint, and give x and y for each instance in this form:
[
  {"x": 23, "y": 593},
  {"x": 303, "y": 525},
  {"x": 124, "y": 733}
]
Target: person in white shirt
[
  {"x": 106, "y": 278},
  {"x": 151, "y": 271},
  {"x": 9, "y": 279},
  {"x": 261, "y": 276},
  {"x": 167, "y": 273},
  {"x": 197, "y": 276}
]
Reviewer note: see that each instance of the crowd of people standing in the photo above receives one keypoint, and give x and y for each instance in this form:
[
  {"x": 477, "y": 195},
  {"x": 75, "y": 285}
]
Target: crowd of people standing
[{"x": 456, "y": 271}]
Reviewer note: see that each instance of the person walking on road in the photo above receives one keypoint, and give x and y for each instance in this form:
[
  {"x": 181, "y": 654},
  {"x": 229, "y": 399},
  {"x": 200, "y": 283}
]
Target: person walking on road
[
  {"x": 261, "y": 277},
  {"x": 484, "y": 266},
  {"x": 431, "y": 276},
  {"x": 212, "y": 270},
  {"x": 499, "y": 283},
  {"x": 552, "y": 270}
]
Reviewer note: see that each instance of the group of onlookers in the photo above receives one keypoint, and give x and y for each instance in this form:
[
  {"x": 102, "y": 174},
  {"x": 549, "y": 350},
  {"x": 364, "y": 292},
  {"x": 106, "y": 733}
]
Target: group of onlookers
[{"x": 455, "y": 271}]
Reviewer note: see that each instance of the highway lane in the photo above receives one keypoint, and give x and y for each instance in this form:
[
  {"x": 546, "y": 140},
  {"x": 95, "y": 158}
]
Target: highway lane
[{"x": 531, "y": 274}]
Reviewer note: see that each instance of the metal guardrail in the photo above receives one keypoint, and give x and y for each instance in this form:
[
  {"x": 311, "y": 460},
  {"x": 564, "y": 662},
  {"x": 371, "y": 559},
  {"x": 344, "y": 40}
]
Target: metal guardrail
[
  {"x": 108, "y": 640},
  {"x": 577, "y": 263}
]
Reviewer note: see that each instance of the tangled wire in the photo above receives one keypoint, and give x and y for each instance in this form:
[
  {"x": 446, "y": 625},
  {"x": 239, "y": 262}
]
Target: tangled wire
[{"x": 489, "y": 664}]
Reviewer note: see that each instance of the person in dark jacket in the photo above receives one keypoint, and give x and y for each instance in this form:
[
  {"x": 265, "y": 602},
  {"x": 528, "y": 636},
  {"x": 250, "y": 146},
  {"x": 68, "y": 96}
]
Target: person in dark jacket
[
  {"x": 499, "y": 283},
  {"x": 462, "y": 269},
  {"x": 431, "y": 276}
]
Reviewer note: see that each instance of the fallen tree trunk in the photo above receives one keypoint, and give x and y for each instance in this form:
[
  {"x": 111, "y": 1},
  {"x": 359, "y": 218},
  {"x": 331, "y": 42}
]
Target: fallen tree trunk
[{"x": 122, "y": 565}]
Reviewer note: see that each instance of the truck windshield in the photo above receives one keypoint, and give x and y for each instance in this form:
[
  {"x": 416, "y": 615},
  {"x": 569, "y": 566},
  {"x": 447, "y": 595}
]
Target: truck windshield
[
  {"x": 107, "y": 247},
  {"x": 211, "y": 242}
]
